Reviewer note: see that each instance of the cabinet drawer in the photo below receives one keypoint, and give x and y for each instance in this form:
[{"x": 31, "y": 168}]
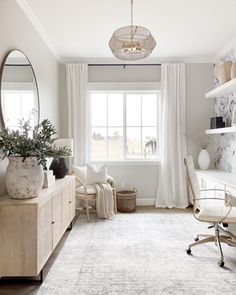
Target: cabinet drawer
[
  {"x": 56, "y": 217},
  {"x": 44, "y": 233},
  {"x": 72, "y": 200}
]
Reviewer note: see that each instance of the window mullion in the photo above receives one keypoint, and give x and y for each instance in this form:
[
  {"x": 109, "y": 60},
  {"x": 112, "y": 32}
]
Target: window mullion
[
  {"x": 141, "y": 127},
  {"x": 90, "y": 139},
  {"x": 124, "y": 128},
  {"x": 107, "y": 125},
  {"x": 158, "y": 121}
]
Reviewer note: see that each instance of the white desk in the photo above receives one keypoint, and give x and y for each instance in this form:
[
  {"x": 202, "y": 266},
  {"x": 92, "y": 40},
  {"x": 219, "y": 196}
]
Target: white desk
[
  {"x": 218, "y": 179},
  {"x": 219, "y": 176}
]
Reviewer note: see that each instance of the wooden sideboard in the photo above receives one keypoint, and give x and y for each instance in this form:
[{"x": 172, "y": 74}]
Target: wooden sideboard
[{"x": 30, "y": 229}]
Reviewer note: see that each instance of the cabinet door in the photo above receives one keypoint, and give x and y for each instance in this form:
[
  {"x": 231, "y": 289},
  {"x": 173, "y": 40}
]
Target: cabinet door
[
  {"x": 65, "y": 206},
  {"x": 72, "y": 200},
  {"x": 56, "y": 217},
  {"x": 44, "y": 232},
  {"x": 18, "y": 240}
]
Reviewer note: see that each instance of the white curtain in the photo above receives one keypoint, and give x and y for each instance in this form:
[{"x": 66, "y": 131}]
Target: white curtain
[
  {"x": 172, "y": 190},
  {"x": 77, "y": 102}
]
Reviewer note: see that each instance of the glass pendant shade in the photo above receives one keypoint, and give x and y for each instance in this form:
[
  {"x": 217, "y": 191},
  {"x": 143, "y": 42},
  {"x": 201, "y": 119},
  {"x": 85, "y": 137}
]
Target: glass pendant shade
[{"x": 132, "y": 43}]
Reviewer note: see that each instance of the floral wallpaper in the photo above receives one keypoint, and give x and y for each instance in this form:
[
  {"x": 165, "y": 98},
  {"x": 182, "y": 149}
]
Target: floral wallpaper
[{"x": 225, "y": 144}]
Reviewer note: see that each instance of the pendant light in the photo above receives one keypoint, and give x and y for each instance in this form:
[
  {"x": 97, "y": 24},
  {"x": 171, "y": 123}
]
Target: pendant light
[{"x": 132, "y": 42}]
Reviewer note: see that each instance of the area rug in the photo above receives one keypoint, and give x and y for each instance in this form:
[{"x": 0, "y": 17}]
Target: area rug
[{"x": 139, "y": 254}]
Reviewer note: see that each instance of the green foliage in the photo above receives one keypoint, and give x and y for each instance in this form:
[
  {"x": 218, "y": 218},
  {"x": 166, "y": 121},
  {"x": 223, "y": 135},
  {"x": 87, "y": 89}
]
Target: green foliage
[{"x": 31, "y": 142}]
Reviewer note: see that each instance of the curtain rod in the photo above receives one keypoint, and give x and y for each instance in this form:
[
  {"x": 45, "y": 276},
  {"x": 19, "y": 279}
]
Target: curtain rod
[
  {"x": 122, "y": 65},
  {"x": 18, "y": 65}
]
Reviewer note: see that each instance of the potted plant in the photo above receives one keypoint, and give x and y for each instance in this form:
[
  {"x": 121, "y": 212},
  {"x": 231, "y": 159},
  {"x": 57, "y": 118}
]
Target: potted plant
[{"x": 27, "y": 149}]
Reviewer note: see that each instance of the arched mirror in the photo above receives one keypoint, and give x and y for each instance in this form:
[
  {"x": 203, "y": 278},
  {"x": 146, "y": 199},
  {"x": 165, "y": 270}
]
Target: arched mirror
[{"x": 19, "y": 91}]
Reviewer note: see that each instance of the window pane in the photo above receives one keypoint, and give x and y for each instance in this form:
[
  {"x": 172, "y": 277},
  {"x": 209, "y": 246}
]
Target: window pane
[
  {"x": 99, "y": 144},
  {"x": 115, "y": 109},
  {"x": 149, "y": 110},
  {"x": 133, "y": 142},
  {"x": 12, "y": 108},
  {"x": 133, "y": 110},
  {"x": 99, "y": 109},
  {"x": 149, "y": 142},
  {"x": 115, "y": 144},
  {"x": 27, "y": 105}
]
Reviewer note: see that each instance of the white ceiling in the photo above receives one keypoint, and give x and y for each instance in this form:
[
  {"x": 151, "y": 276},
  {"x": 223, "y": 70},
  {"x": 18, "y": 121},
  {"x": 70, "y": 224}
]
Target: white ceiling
[{"x": 183, "y": 29}]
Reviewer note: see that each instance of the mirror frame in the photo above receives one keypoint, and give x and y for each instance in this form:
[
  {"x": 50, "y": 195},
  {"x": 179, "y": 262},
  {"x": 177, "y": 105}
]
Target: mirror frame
[{"x": 2, "y": 123}]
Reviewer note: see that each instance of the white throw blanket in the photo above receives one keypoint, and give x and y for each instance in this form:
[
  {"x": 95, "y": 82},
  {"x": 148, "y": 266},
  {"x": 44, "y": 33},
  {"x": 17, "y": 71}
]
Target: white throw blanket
[{"x": 105, "y": 201}]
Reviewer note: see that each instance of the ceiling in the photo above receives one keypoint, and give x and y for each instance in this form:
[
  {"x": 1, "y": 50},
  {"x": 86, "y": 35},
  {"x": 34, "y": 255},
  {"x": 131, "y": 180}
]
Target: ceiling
[{"x": 183, "y": 29}]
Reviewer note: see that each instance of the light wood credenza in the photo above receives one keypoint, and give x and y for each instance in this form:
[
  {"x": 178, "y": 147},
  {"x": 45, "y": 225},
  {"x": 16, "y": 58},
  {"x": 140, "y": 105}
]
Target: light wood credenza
[{"x": 31, "y": 229}]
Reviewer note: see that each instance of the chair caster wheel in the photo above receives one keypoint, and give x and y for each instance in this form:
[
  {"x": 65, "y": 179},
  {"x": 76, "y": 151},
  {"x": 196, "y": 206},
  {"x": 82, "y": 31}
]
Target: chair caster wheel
[
  {"x": 188, "y": 251},
  {"x": 221, "y": 263},
  {"x": 196, "y": 239}
]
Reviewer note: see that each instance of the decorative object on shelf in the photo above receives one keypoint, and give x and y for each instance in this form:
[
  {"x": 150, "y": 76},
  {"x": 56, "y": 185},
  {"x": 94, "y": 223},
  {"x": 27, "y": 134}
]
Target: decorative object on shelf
[
  {"x": 204, "y": 159},
  {"x": 27, "y": 150},
  {"x": 59, "y": 165},
  {"x": 132, "y": 42},
  {"x": 217, "y": 122},
  {"x": 233, "y": 70},
  {"x": 224, "y": 72},
  {"x": 233, "y": 119},
  {"x": 203, "y": 141}
]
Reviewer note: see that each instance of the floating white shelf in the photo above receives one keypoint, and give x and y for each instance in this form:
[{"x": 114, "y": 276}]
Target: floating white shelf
[
  {"x": 221, "y": 130},
  {"x": 223, "y": 89}
]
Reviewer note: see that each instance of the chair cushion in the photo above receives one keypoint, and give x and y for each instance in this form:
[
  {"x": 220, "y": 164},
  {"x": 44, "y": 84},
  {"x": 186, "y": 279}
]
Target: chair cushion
[
  {"x": 216, "y": 214},
  {"x": 96, "y": 174},
  {"x": 92, "y": 173},
  {"x": 81, "y": 172},
  {"x": 90, "y": 189}
]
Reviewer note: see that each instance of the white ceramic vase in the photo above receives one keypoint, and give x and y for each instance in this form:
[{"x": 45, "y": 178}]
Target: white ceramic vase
[
  {"x": 224, "y": 72},
  {"x": 233, "y": 70},
  {"x": 203, "y": 159},
  {"x": 24, "y": 179}
]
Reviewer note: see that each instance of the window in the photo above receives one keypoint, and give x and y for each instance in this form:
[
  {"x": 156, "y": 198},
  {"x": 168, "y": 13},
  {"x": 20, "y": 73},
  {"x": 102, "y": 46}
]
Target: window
[
  {"x": 17, "y": 104},
  {"x": 123, "y": 125}
]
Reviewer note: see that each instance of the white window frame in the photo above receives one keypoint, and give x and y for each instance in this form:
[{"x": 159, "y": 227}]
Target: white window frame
[
  {"x": 130, "y": 88},
  {"x": 16, "y": 87}
]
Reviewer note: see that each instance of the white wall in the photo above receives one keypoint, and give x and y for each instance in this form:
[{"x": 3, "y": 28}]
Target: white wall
[
  {"x": 16, "y": 32},
  {"x": 199, "y": 110},
  {"x": 199, "y": 79}
]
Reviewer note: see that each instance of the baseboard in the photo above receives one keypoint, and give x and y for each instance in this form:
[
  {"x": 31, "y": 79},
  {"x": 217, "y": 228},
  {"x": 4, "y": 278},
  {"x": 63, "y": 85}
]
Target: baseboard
[{"x": 145, "y": 202}]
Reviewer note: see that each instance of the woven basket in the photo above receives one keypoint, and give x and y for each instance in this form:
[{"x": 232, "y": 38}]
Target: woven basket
[{"x": 126, "y": 201}]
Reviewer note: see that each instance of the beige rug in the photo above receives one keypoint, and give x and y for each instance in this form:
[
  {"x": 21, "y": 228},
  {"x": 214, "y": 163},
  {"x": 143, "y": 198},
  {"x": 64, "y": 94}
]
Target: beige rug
[{"x": 137, "y": 254}]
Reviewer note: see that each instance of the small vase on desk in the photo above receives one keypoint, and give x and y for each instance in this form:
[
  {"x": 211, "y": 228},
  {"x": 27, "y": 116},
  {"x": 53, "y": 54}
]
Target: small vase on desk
[{"x": 204, "y": 159}]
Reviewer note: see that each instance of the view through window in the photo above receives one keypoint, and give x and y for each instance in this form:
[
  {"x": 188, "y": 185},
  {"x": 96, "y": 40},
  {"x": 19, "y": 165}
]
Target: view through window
[
  {"x": 18, "y": 104},
  {"x": 124, "y": 125}
]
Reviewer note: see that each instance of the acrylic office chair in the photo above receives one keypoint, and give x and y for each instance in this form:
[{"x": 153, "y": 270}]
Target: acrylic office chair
[{"x": 205, "y": 212}]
